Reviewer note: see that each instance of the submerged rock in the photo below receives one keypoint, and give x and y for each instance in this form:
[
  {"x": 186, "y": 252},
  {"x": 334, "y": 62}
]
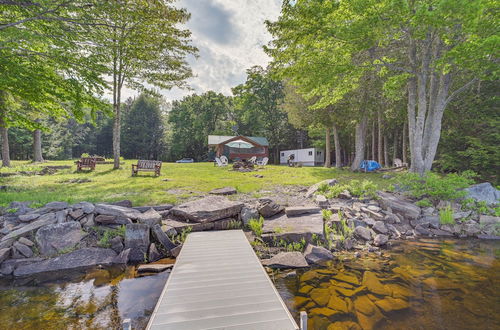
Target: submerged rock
[
  {"x": 285, "y": 260},
  {"x": 389, "y": 304},
  {"x": 373, "y": 284}
]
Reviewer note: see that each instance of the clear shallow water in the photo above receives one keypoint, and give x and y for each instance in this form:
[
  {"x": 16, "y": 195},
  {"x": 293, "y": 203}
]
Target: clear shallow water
[
  {"x": 426, "y": 284},
  {"x": 97, "y": 299}
]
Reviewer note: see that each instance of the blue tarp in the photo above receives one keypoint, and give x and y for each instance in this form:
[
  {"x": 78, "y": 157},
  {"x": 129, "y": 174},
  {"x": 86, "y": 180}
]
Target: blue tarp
[{"x": 369, "y": 165}]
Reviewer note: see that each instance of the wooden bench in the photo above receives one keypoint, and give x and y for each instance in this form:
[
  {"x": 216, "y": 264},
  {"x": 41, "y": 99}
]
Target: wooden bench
[
  {"x": 147, "y": 166},
  {"x": 85, "y": 163}
]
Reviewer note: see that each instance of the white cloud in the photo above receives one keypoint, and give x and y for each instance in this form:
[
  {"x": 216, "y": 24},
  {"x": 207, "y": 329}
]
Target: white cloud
[{"x": 229, "y": 35}]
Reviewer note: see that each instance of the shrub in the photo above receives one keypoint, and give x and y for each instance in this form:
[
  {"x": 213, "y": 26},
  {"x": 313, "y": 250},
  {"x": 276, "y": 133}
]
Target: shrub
[
  {"x": 108, "y": 235},
  {"x": 256, "y": 225},
  {"x": 363, "y": 189},
  {"x": 327, "y": 214},
  {"x": 446, "y": 216},
  {"x": 435, "y": 187}
]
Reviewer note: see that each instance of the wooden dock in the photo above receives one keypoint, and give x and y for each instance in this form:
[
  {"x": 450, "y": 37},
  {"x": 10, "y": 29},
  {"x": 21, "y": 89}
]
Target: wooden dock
[{"x": 219, "y": 283}]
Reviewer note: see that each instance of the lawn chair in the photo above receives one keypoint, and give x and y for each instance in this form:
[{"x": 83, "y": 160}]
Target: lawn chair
[
  {"x": 224, "y": 160},
  {"x": 253, "y": 160},
  {"x": 263, "y": 162},
  {"x": 219, "y": 162},
  {"x": 399, "y": 163}
]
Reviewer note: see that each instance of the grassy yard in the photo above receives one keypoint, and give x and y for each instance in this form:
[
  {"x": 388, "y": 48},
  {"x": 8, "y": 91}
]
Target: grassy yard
[{"x": 176, "y": 182}]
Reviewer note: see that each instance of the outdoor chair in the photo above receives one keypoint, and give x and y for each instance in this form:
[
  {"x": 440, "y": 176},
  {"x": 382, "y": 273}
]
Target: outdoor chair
[
  {"x": 147, "y": 166},
  {"x": 224, "y": 160},
  {"x": 219, "y": 162},
  {"x": 263, "y": 162},
  {"x": 253, "y": 160}
]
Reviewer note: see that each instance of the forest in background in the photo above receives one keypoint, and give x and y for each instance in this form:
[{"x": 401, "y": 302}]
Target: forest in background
[{"x": 370, "y": 79}]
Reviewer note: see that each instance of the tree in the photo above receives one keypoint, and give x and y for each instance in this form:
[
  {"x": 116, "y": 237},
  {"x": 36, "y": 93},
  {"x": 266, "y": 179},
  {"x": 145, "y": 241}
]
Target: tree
[
  {"x": 143, "y": 131},
  {"x": 144, "y": 46}
]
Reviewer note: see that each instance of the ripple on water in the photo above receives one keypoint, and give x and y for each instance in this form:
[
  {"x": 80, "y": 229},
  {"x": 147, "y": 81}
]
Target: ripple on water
[{"x": 425, "y": 284}]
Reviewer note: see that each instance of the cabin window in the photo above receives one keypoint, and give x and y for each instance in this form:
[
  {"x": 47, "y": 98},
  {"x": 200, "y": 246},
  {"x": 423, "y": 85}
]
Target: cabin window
[{"x": 310, "y": 153}]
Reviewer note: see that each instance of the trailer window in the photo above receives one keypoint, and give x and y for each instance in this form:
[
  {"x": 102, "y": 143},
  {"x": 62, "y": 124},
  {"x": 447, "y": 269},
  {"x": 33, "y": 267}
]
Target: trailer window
[{"x": 310, "y": 153}]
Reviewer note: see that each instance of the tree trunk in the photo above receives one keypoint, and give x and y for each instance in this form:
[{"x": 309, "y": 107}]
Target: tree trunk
[
  {"x": 338, "y": 154},
  {"x": 328, "y": 158},
  {"x": 359, "y": 142},
  {"x": 5, "y": 145},
  {"x": 403, "y": 147},
  {"x": 37, "y": 146},
  {"x": 386, "y": 152},
  {"x": 395, "y": 146},
  {"x": 374, "y": 144},
  {"x": 379, "y": 142}
]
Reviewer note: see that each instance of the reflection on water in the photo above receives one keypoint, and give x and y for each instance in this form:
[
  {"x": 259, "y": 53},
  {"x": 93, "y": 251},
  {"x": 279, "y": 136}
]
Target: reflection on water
[
  {"x": 424, "y": 284},
  {"x": 97, "y": 299}
]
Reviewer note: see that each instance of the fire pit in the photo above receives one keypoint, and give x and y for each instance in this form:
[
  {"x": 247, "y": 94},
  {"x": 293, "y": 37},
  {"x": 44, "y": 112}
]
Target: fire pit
[{"x": 243, "y": 166}]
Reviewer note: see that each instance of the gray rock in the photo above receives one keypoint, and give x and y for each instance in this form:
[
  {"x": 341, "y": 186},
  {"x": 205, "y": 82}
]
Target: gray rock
[
  {"x": 56, "y": 206},
  {"x": 157, "y": 208},
  {"x": 391, "y": 218},
  {"x": 7, "y": 243},
  {"x": 21, "y": 207},
  {"x": 88, "y": 221},
  {"x": 44, "y": 220},
  {"x": 348, "y": 244},
  {"x": 86, "y": 207},
  {"x": 314, "y": 188},
  {"x": 162, "y": 238},
  {"x": 488, "y": 237},
  {"x": 427, "y": 221},
  {"x": 116, "y": 244},
  {"x": 137, "y": 239},
  {"x": 369, "y": 221},
  {"x": 82, "y": 258},
  {"x": 224, "y": 191},
  {"x": 483, "y": 192},
  {"x": 23, "y": 249},
  {"x": 285, "y": 260},
  {"x": 154, "y": 268},
  {"x": 123, "y": 203},
  {"x": 207, "y": 209},
  {"x": 293, "y": 229},
  {"x": 116, "y": 210},
  {"x": 61, "y": 216},
  {"x": 422, "y": 231},
  {"x": 488, "y": 220},
  {"x": 55, "y": 238},
  {"x": 154, "y": 254},
  {"x": 4, "y": 254},
  {"x": 169, "y": 230},
  {"x": 461, "y": 215},
  {"x": 299, "y": 210},
  {"x": 8, "y": 266},
  {"x": 472, "y": 229},
  {"x": 28, "y": 217},
  {"x": 345, "y": 195},
  {"x": 441, "y": 233},
  {"x": 428, "y": 211},
  {"x": 363, "y": 233},
  {"x": 321, "y": 201},
  {"x": 123, "y": 257},
  {"x": 269, "y": 208},
  {"x": 25, "y": 241},
  {"x": 248, "y": 213},
  {"x": 399, "y": 204},
  {"x": 380, "y": 240},
  {"x": 76, "y": 214},
  {"x": 317, "y": 254},
  {"x": 150, "y": 218},
  {"x": 380, "y": 227},
  {"x": 176, "y": 251}
]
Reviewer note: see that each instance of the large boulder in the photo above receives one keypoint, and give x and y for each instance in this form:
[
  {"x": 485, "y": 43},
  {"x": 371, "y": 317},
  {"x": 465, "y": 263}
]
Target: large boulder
[
  {"x": 137, "y": 240},
  {"x": 56, "y": 206},
  {"x": 117, "y": 211},
  {"x": 207, "y": 209},
  {"x": 82, "y": 258},
  {"x": 285, "y": 260},
  {"x": 293, "y": 229},
  {"x": 380, "y": 240},
  {"x": 380, "y": 227},
  {"x": 86, "y": 207},
  {"x": 317, "y": 254},
  {"x": 483, "y": 192},
  {"x": 24, "y": 250},
  {"x": 150, "y": 218},
  {"x": 224, "y": 191},
  {"x": 299, "y": 210},
  {"x": 431, "y": 221},
  {"x": 31, "y": 227},
  {"x": 162, "y": 238},
  {"x": 4, "y": 254},
  {"x": 54, "y": 238},
  {"x": 314, "y": 188},
  {"x": 111, "y": 220},
  {"x": 363, "y": 233},
  {"x": 398, "y": 204}
]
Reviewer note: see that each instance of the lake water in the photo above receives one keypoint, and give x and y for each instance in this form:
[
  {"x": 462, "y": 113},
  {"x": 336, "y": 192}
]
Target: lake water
[{"x": 425, "y": 284}]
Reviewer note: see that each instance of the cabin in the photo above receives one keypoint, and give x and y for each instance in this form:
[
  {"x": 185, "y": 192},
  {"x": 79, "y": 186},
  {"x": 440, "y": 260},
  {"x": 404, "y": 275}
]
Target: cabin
[
  {"x": 239, "y": 147},
  {"x": 307, "y": 157}
]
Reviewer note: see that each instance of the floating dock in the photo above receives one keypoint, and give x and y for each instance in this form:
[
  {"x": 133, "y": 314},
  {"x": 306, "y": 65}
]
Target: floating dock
[{"x": 219, "y": 283}]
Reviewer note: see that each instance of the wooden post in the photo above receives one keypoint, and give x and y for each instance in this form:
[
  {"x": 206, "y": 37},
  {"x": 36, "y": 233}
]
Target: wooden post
[{"x": 303, "y": 320}]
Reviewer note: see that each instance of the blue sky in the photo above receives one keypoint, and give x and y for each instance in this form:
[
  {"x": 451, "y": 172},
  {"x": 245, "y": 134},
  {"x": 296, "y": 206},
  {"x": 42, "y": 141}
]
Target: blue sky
[{"x": 229, "y": 35}]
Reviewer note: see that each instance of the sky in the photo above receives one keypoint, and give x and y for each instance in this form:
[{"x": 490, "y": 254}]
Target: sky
[{"x": 229, "y": 35}]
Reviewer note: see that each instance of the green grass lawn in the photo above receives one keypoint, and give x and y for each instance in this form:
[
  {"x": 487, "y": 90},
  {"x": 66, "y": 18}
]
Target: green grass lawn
[{"x": 176, "y": 182}]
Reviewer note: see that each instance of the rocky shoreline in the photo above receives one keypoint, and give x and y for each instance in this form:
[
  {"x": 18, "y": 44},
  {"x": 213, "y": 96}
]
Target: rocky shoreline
[{"x": 59, "y": 236}]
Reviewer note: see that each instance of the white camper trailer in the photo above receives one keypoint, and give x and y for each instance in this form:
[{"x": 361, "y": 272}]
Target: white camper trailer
[{"x": 307, "y": 157}]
